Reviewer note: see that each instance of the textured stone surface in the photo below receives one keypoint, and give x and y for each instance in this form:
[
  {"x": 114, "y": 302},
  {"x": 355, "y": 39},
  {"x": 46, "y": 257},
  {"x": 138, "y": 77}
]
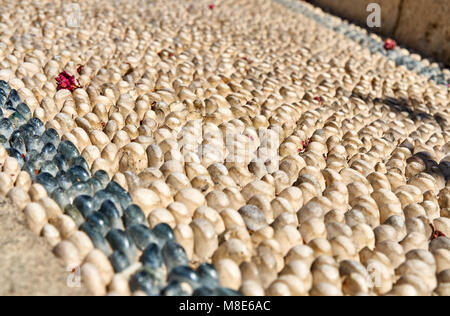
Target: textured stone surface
[
  {"x": 419, "y": 24},
  {"x": 356, "y": 10},
  {"x": 425, "y": 25},
  {"x": 28, "y": 266}
]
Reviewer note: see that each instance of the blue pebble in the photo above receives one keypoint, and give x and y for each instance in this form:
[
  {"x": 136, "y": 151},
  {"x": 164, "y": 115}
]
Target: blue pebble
[
  {"x": 78, "y": 174},
  {"x": 80, "y": 162},
  {"x": 134, "y": 215},
  {"x": 6, "y": 128},
  {"x": 61, "y": 198},
  {"x": 174, "y": 255},
  {"x": 185, "y": 274},
  {"x": 152, "y": 256},
  {"x": 48, "y": 181},
  {"x": 23, "y": 109},
  {"x": 102, "y": 195},
  {"x": 109, "y": 209},
  {"x": 37, "y": 125},
  {"x": 50, "y": 167},
  {"x": 123, "y": 196},
  {"x": 119, "y": 261},
  {"x": 148, "y": 281},
  {"x": 95, "y": 185},
  {"x": 120, "y": 240},
  {"x": 63, "y": 181},
  {"x": 97, "y": 239},
  {"x": 61, "y": 162},
  {"x": 80, "y": 188},
  {"x": 72, "y": 211},
  {"x": 163, "y": 233},
  {"x": 17, "y": 119},
  {"x": 175, "y": 288},
  {"x": 17, "y": 155},
  {"x": 51, "y": 136},
  {"x": 17, "y": 142},
  {"x": 99, "y": 222},
  {"x": 33, "y": 142},
  {"x": 103, "y": 177},
  {"x": 141, "y": 235},
  {"x": 68, "y": 150},
  {"x": 208, "y": 275},
  {"x": 85, "y": 204},
  {"x": 48, "y": 151}
]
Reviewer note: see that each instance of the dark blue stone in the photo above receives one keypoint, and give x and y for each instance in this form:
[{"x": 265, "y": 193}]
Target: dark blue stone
[
  {"x": 184, "y": 274},
  {"x": 119, "y": 261},
  {"x": 133, "y": 215},
  {"x": 33, "y": 142},
  {"x": 61, "y": 198},
  {"x": 141, "y": 235},
  {"x": 102, "y": 195},
  {"x": 222, "y": 291},
  {"x": 110, "y": 210},
  {"x": 50, "y": 167},
  {"x": 146, "y": 280},
  {"x": 163, "y": 233},
  {"x": 15, "y": 154},
  {"x": 120, "y": 240},
  {"x": 174, "y": 288},
  {"x": 14, "y": 97},
  {"x": 3, "y": 140},
  {"x": 174, "y": 255},
  {"x": 103, "y": 177},
  {"x": 80, "y": 188},
  {"x": 48, "y": 181},
  {"x": 68, "y": 150},
  {"x": 78, "y": 174},
  {"x": 208, "y": 275},
  {"x": 63, "y": 180},
  {"x": 6, "y": 128},
  {"x": 123, "y": 196},
  {"x": 5, "y": 87},
  {"x": 17, "y": 119},
  {"x": 98, "y": 240},
  {"x": 152, "y": 256},
  {"x": 72, "y": 211},
  {"x": 51, "y": 136},
  {"x": 37, "y": 125},
  {"x": 99, "y": 222},
  {"x": 95, "y": 185},
  {"x": 61, "y": 162},
  {"x": 80, "y": 162},
  {"x": 48, "y": 151},
  {"x": 204, "y": 291},
  {"x": 23, "y": 109},
  {"x": 17, "y": 142},
  {"x": 84, "y": 203}
]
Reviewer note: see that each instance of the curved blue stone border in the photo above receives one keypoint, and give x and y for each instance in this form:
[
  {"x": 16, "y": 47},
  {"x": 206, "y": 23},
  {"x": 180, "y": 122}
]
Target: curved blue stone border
[
  {"x": 101, "y": 208},
  {"x": 357, "y": 35}
]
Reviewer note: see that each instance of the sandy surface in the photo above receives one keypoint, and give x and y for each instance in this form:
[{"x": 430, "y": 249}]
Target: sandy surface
[{"x": 27, "y": 264}]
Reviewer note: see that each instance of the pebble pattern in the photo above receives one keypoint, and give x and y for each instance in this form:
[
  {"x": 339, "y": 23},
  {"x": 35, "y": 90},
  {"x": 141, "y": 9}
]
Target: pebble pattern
[
  {"x": 226, "y": 149},
  {"x": 401, "y": 57}
]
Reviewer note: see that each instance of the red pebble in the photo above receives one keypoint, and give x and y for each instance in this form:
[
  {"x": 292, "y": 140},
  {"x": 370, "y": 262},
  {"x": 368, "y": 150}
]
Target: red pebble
[
  {"x": 211, "y": 6},
  {"x": 67, "y": 81},
  {"x": 389, "y": 44},
  {"x": 80, "y": 69}
]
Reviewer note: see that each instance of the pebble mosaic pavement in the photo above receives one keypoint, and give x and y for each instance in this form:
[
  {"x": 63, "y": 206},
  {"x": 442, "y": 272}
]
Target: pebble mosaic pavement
[{"x": 143, "y": 254}]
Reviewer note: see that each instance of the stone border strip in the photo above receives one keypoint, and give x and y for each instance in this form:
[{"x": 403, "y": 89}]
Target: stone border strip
[
  {"x": 372, "y": 42},
  {"x": 151, "y": 258}
]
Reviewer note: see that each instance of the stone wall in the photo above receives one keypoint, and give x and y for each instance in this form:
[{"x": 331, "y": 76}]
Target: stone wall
[{"x": 423, "y": 25}]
